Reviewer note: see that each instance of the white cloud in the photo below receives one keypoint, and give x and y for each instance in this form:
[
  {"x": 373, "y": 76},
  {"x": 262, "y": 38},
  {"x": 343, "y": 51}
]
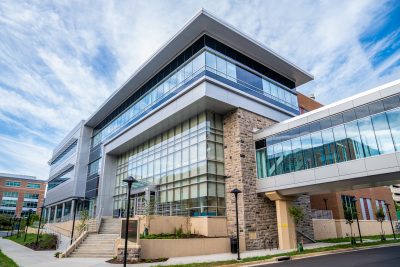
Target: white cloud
[{"x": 49, "y": 78}]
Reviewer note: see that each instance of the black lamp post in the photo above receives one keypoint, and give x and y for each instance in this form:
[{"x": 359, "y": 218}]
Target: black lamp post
[
  {"x": 326, "y": 203},
  {"x": 130, "y": 180},
  {"x": 9, "y": 226},
  {"x": 27, "y": 223},
  {"x": 40, "y": 222},
  {"x": 73, "y": 221},
  {"x": 358, "y": 223},
  {"x": 390, "y": 218},
  {"x": 236, "y": 192},
  {"x": 19, "y": 225}
]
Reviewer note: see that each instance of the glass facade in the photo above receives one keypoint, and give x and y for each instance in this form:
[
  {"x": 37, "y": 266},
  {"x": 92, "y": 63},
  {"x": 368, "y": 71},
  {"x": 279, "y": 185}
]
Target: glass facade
[
  {"x": 65, "y": 154},
  {"x": 200, "y": 64},
  {"x": 185, "y": 164},
  {"x": 63, "y": 177},
  {"x": 366, "y": 131}
]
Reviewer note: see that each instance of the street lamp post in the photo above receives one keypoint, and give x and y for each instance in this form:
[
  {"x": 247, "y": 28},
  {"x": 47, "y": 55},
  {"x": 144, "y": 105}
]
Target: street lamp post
[
  {"x": 19, "y": 225},
  {"x": 27, "y": 223},
  {"x": 73, "y": 221},
  {"x": 236, "y": 192},
  {"x": 10, "y": 226},
  {"x": 40, "y": 222},
  {"x": 390, "y": 218},
  {"x": 358, "y": 223},
  {"x": 130, "y": 180}
]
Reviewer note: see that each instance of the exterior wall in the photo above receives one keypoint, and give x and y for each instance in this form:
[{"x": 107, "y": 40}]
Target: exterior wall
[
  {"x": 257, "y": 214},
  {"x": 161, "y": 248},
  {"x": 306, "y": 225},
  {"x": 22, "y": 190},
  {"x": 324, "y": 229},
  {"x": 334, "y": 201},
  {"x": 306, "y": 103}
]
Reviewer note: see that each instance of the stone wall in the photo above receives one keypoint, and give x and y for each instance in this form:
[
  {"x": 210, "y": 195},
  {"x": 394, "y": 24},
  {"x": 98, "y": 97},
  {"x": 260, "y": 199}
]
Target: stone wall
[
  {"x": 257, "y": 214},
  {"x": 306, "y": 225}
]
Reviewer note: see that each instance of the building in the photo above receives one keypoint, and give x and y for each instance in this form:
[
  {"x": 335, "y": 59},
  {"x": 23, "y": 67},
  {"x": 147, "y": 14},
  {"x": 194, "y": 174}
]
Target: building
[
  {"x": 21, "y": 193},
  {"x": 370, "y": 199},
  {"x": 213, "y": 110}
]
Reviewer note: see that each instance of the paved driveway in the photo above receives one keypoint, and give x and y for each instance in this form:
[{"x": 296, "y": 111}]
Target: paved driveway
[{"x": 375, "y": 257}]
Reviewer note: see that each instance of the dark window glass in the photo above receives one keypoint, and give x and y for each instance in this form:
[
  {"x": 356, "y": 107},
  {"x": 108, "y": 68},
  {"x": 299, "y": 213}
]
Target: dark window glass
[
  {"x": 342, "y": 148},
  {"x": 247, "y": 78},
  {"x": 271, "y": 170},
  {"x": 394, "y": 122},
  {"x": 261, "y": 163},
  {"x": 260, "y": 144},
  {"x": 382, "y": 133},
  {"x": 375, "y": 107},
  {"x": 329, "y": 146},
  {"x": 349, "y": 115},
  {"x": 368, "y": 137},
  {"x": 297, "y": 154},
  {"x": 362, "y": 112},
  {"x": 318, "y": 148},
  {"x": 354, "y": 140},
  {"x": 325, "y": 123},
  {"x": 337, "y": 119},
  {"x": 278, "y": 158},
  {"x": 287, "y": 156},
  {"x": 307, "y": 151},
  {"x": 391, "y": 102}
]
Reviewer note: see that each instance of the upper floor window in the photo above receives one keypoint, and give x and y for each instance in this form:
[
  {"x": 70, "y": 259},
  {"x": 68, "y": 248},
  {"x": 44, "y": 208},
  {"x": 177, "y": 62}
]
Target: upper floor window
[
  {"x": 10, "y": 194},
  {"x": 31, "y": 185},
  {"x": 94, "y": 167},
  {"x": 13, "y": 184},
  {"x": 31, "y": 196}
]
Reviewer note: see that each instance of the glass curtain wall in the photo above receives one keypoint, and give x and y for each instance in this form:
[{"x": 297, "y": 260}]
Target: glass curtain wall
[
  {"x": 205, "y": 60},
  {"x": 373, "y": 135},
  {"x": 185, "y": 163}
]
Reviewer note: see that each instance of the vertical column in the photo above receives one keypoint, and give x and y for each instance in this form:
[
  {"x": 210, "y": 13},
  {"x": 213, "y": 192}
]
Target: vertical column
[
  {"x": 55, "y": 213},
  {"x": 286, "y": 226},
  {"x": 62, "y": 211},
  {"x": 49, "y": 216},
  {"x": 71, "y": 213}
]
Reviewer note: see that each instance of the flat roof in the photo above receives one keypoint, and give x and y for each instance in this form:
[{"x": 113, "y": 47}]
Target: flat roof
[
  {"x": 362, "y": 98},
  {"x": 19, "y": 176},
  {"x": 203, "y": 22}
]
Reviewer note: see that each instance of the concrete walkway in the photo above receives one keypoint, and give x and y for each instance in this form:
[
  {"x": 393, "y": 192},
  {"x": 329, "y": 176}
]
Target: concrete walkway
[{"x": 26, "y": 257}]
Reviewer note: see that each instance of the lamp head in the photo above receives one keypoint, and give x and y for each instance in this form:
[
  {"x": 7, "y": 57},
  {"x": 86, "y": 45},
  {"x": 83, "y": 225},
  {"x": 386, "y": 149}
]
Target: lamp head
[
  {"x": 130, "y": 180},
  {"x": 236, "y": 191}
]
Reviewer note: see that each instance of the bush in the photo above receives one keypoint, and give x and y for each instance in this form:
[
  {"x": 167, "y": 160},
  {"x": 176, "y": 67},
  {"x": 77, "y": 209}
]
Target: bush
[{"x": 4, "y": 221}]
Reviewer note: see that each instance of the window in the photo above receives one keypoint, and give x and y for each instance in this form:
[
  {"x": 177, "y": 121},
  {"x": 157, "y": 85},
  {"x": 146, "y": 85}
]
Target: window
[
  {"x": 318, "y": 149},
  {"x": 354, "y": 140},
  {"x": 31, "y": 185},
  {"x": 31, "y": 196},
  {"x": 94, "y": 167},
  {"x": 8, "y": 203},
  {"x": 10, "y": 194},
  {"x": 349, "y": 204},
  {"x": 30, "y": 204},
  {"x": 382, "y": 133},
  {"x": 12, "y": 184},
  {"x": 368, "y": 137},
  {"x": 394, "y": 122},
  {"x": 261, "y": 163}
]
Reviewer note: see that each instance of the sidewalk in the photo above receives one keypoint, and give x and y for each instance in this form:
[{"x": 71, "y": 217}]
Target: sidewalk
[{"x": 26, "y": 257}]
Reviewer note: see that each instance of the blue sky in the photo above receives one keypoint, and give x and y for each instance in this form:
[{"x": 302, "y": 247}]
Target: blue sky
[{"x": 60, "y": 60}]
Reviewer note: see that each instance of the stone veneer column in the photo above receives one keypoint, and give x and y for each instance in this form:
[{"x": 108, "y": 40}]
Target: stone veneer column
[{"x": 257, "y": 214}]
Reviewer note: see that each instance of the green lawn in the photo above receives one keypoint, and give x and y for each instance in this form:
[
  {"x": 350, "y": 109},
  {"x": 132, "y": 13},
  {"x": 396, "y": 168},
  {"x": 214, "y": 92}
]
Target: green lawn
[
  {"x": 6, "y": 261},
  {"x": 347, "y": 239},
  {"x": 261, "y": 258},
  {"x": 46, "y": 241}
]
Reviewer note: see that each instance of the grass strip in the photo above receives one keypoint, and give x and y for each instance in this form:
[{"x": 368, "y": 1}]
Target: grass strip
[{"x": 6, "y": 261}]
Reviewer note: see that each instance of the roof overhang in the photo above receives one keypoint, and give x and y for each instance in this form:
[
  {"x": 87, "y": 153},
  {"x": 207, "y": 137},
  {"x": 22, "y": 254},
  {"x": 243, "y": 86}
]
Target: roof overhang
[{"x": 202, "y": 23}]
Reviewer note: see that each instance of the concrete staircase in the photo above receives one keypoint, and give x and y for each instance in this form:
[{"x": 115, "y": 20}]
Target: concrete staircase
[{"x": 100, "y": 245}]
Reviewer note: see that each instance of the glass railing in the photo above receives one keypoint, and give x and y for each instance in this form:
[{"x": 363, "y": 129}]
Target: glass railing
[
  {"x": 372, "y": 135},
  {"x": 204, "y": 60}
]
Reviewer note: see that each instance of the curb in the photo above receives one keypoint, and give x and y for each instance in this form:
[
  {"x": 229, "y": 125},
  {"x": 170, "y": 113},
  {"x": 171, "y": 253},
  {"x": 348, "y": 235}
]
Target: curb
[{"x": 310, "y": 255}]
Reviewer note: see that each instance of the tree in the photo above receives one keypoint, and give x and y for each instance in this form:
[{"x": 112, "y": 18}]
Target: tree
[
  {"x": 297, "y": 214},
  {"x": 380, "y": 217},
  {"x": 84, "y": 218},
  {"x": 348, "y": 216},
  {"x": 4, "y": 221}
]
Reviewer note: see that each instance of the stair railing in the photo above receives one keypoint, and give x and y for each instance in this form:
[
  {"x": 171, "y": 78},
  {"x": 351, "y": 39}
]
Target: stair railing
[{"x": 98, "y": 220}]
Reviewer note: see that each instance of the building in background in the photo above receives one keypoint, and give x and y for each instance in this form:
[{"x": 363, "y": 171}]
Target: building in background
[{"x": 20, "y": 193}]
